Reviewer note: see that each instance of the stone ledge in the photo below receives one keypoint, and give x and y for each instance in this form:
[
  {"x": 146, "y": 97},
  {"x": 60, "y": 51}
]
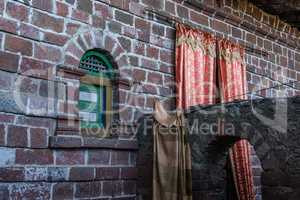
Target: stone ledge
[{"x": 58, "y": 142}]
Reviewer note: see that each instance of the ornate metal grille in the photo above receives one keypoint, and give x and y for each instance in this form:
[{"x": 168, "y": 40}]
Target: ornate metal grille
[{"x": 92, "y": 64}]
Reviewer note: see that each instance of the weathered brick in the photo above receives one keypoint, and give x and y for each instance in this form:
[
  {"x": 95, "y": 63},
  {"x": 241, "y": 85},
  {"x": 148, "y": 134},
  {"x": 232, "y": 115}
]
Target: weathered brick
[
  {"x": 27, "y": 85},
  {"x": 182, "y": 11},
  {"x": 6, "y": 81},
  {"x": 63, "y": 191},
  {"x": 48, "y": 22},
  {"x": 47, "y": 52},
  {"x": 103, "y": 10},
  {"x": 98, "y": 157},
  {"x": 17, "y": 11},
  {"x": 129, "y": 173},
  {"x": 237, "y": 33},
  {"x": 72, "y": 28},
  {"x": 81, "y": 173},
  {"x": 8, "y": 25},
  {"x": 124, "y": 17},
  {"x": 155, "y": 78},
  {"x": 31, "y": 191},
  {"x": 219, "y": 26},
  {"x": 125, "y": 43},
  {"x": 167, "y": 56},
  {"x": 34, "y": 157},
  {"x": 142, "y": 24},
  {"x": 69, "y": 157},
  {"x": 158, "y": 30},
  {"x": 9, "y": 61},
  {"x": 129, "y": 187},
  {"x": 36, "y": 68},
  {"x": 119, "y": 158},
  {"x": 80, "y": 16},
  {"x": 17, "y": 44},
  {"x": 55, "y": 39},
  {"x": 139, "y": 74},
  {"x": 8, "y": 174},
  {"x": 2, "y": 134},
  {"x": 251, "y": 38},
  {"x": 88, "y": 189},
  {"x": 85, "y": 5},
  {"x": 62, "y": 9},
  {"x": 16, "y": 136},
  {"x": 199, "y": 18},
  {"x": 107, "y": 173},
  {"x": 43, "y": 5},
  {"x": 38, "y": 138},
  {"x": 152, "y": 52},
  {"x": 108, "y": 188},
  {"x": 29, "y": 31}
]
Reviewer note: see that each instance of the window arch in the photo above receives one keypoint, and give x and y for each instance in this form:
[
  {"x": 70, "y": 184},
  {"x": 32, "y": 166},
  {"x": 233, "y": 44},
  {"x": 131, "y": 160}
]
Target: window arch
[{"x": 95, "y": 91}]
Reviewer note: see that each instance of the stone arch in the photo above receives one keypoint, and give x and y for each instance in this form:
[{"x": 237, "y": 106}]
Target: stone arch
[{"x": 90, "y": 38}]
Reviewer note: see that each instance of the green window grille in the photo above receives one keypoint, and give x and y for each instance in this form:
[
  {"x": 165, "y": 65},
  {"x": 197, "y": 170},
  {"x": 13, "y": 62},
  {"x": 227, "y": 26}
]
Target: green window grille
[{"x": 95, "y": 91}]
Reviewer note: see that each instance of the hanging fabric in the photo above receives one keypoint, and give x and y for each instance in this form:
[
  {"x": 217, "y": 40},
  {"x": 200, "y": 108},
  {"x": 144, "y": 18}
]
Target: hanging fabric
[
  {"x": 172, "y": 179},
  {"x": 233, "y": 86},
  {"x": 195, "y": 67}
]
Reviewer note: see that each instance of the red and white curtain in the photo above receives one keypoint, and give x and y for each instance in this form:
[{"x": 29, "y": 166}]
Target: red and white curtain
[
  {"x": 197, "y": 66},
  {"x": 233, "y": 86}
]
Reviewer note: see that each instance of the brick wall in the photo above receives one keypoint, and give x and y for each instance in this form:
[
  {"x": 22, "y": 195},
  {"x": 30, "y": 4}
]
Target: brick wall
[{"x": 41, "y": 42}]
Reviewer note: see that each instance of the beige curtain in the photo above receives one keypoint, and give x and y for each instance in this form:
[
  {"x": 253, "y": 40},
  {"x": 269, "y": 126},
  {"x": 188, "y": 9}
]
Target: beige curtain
[{"x": 172, "y": 179}]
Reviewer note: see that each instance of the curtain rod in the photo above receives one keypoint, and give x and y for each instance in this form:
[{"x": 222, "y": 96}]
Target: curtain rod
[{"x": 173, "y": 20}]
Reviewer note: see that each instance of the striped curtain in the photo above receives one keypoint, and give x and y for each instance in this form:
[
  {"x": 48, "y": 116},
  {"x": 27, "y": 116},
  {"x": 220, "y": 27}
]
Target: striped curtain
[
  {"x": 233, "y": 86},
  {"x": 195, "y": 67}
]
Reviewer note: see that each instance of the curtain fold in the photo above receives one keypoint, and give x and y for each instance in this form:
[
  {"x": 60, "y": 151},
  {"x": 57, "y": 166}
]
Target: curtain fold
[
  {"x": 233, "y": 86},
  {"x": 195, "y": 67}
]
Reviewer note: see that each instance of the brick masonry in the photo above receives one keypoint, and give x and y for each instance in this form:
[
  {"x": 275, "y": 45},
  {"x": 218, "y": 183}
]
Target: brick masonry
[{"x": 41, "y": 43}]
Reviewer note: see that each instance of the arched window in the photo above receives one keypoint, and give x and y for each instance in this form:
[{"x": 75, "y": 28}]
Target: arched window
[{"x": 95, "y": 92}]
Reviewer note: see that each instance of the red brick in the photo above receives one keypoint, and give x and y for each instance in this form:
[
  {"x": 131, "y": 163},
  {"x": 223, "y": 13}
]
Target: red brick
[
  {"x": 139, "y": 48},
  {"x": 199, "y": 18},
  {"x": 251, "y": 38},
  {"x": 8, "y": 25},
  {"x": 16, "y": 136},
  {"x": 29, "y": 31},
  {"x": 139, "y": 74},
  {"x": 88, "y": 189},
  {"x": 107, "y": 173},
  {"x": 17, "y": 11},
  {"x": 16, "y": 44},
  {"x": 38, "y": 138},
  {"x": 103, "y": 10},
  {"x": 170, "y": 7},
  {"x": 14, "y": 174},
  {"x": 128, "y": 173},
  {"x": 155, "y": 78},
  {"x": 48, "y": 22},
  {"x": 98, "y": 22},
  {"x": 158, "y": 30},
  {"x": 62, "y": 9},
  {"x": 124, "y": 17},
  {"x": 80, "y": 16},
  {"x": 56, "y": 39},
  {"x": 72, "y": 28},
  {"x": 142, "y": 24},
  {"x": 31, "y": 191},
  {"x": 63, "y": 191},
  {"x": 149, "y": 89},
  {"x": 69, "y": 157},
  {"x": 129, "y": 187},
  {"x": 74, "y": 50},
  {"x": 7, "y": 118},
  {"x": 123, "y": 4},
  {"x": 46, "y": 52},
  {"x": 182, "y": 12},
  {"x": 34, "y": 156},
  {"x": 167, "y": 56},
  {"x": 2, "y": 134},
  {"x": 119, "y": 158},
  {"x": 27, "y": 85},
  {"x": 220, "y": 26},
  {"x": 43, "y": 5},
  {"x": 36, "y": 68},
  {"x": 108, "y": 189},
  {"x": 152, "y": 52},
  {"x": 98, "y": 157},
  {"x": 9, "y": 61},
  {"x": 81, "y": 173}
]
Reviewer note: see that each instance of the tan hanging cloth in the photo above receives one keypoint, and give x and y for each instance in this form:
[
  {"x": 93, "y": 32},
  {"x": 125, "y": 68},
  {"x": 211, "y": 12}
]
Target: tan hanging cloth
[{"x": 172, "y": 179}]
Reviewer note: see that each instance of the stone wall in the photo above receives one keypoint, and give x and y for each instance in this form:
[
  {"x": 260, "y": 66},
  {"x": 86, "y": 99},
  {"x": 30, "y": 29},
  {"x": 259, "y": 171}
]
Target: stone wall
[{"x": 41, "y": 43}]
